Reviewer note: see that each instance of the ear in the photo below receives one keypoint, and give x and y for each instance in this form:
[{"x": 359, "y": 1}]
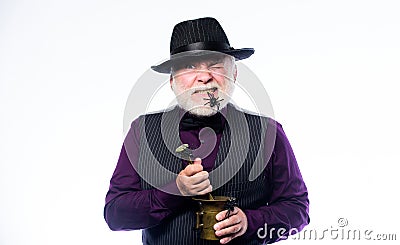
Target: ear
[{"x": 171, "y": 79}]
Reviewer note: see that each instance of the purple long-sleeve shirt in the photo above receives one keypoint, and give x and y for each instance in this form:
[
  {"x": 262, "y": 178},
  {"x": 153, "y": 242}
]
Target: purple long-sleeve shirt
[{"x": 128, "y": 207}]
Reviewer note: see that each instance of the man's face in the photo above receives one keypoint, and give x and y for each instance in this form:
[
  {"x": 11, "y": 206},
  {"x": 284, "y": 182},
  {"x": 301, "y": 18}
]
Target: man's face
[{"x": 196, "y": 82}]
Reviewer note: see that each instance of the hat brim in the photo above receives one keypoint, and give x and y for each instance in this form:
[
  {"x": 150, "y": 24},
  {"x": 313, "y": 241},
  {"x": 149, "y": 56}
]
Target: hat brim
[{"x": 165, "y": 67}]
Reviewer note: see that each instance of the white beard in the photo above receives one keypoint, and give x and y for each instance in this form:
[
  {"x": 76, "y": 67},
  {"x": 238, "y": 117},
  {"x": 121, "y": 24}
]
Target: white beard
[{"x": 185, "y": 101}]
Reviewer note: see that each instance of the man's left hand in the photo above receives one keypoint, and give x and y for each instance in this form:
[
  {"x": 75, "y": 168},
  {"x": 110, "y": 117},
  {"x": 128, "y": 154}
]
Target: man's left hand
[{"x": 233, "y": 226}]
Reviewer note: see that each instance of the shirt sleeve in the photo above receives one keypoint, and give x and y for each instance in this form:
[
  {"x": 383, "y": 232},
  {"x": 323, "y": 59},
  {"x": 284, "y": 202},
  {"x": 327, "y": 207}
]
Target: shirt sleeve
[
  {"x": 128, "y": 206},
  {"x": 287, "y": 209}
]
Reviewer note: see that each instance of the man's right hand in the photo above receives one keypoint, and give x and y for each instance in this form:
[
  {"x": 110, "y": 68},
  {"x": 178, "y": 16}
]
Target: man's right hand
[{"x": 193, "y": 181}]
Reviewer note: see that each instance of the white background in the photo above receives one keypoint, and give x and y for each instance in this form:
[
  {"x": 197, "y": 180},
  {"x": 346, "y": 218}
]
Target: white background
[{"x": 331, "y": 69}]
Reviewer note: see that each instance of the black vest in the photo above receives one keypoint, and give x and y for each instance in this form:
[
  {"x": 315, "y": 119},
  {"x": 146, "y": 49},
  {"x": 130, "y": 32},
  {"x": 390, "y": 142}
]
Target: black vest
[{"x": 162, "y": 129}]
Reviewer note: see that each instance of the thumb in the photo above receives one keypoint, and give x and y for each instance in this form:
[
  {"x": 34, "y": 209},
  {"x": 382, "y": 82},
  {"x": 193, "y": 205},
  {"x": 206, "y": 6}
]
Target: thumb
[
  {"x": 197, "y": 160},
  {"x": 194, "y": 168}
]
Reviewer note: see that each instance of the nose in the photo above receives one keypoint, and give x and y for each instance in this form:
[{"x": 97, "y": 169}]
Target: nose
[{"x": 204, "y": 74}]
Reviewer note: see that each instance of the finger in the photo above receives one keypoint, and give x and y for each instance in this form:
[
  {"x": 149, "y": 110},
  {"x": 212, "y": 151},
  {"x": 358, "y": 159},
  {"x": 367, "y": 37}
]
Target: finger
[
  {"x": 205, "y": 191},
  {"x": 199, "y": 177},
  {"x": 231, "y": 220},
  {"x": 201, "y": 185},
  {"x": 195, "y": 179},
  {"x": 225, "y": 240},
  {"x": 221, "y": 215},
  {"x": 197, "y": 160},
  {"x": 192, "y": 169},
  {"x": 231, "y": 230}
]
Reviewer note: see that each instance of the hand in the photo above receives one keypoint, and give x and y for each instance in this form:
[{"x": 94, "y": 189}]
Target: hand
[
  {"x": 233, "y": 226},
  {"x": 193, "y": 181}
]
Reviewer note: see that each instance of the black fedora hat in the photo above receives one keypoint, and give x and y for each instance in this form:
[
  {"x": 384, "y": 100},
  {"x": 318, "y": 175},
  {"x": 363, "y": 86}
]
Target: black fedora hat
[{"x": 194, "y": 38}]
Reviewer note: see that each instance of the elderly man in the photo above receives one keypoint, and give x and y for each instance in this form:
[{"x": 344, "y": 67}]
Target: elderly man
[{"x": 152, "y": 188}]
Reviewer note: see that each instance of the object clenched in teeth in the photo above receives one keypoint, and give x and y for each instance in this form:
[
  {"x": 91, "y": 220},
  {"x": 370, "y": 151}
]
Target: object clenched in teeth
[{"x": 212, "y": 90}]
